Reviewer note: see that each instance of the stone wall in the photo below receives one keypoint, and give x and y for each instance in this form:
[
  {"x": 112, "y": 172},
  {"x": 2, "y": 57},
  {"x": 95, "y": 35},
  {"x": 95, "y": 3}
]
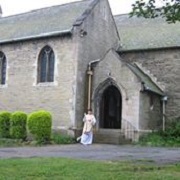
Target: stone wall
[
  {"x": 111, "y": 67},
  {"x": 22, "y": 92},
  {"x": 165, "y": 66},
  {"x": 96, "y": 35},
  {"x": 150, "y": 111}
]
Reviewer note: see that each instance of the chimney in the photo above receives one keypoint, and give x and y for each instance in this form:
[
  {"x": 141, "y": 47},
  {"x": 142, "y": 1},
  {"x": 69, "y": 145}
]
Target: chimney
[{"x": 0, "y": 11}]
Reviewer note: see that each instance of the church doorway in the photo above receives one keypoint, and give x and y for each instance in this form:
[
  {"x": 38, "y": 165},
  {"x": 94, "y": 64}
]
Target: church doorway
[{"x": 110, "y": 108}]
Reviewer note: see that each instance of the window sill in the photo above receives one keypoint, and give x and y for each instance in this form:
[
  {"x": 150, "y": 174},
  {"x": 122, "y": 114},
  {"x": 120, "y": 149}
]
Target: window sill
[{"x": 47, "y": 84}]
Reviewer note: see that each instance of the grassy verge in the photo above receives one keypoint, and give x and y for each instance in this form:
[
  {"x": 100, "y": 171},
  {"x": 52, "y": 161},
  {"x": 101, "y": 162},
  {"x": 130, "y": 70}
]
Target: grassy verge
[
  {"x": 60, "y": 168},
  {"x": 4, "y": 142},
  {"x": 55, "y": 139}
]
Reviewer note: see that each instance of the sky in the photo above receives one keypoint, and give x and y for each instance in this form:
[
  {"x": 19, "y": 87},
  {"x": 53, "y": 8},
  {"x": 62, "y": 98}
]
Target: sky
[{"x": 11, "y": 7}]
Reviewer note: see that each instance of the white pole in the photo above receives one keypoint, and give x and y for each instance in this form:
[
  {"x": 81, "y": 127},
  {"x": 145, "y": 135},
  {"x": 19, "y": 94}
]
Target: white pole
[{"x": 163, "y": 115}]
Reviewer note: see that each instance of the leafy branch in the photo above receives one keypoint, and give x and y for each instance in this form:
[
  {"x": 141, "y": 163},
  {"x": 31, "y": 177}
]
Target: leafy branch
[{"x": 170, "y": 10}]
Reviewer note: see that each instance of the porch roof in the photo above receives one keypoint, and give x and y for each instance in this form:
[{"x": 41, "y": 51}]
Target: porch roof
[{"x": 147, "y": 82}]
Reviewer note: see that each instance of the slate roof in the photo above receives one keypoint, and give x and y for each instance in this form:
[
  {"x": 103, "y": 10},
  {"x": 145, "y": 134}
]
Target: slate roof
[
  {"x": 42, "y": 22},
  {"x": 140, "y": 33},
  {"x": 135, "y": 33},
  {"x": 148, "y": 83}
]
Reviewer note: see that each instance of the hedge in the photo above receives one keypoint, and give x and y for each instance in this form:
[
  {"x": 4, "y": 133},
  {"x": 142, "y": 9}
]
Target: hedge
[
  {"x": 39, "y": 124},
  {"x": 5, "y": 124},
  {"x": 18, "y": 128}
]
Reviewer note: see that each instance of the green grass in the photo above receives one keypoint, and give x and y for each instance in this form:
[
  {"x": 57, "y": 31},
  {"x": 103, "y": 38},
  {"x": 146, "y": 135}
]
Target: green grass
[{"x": 67, "y": 169}]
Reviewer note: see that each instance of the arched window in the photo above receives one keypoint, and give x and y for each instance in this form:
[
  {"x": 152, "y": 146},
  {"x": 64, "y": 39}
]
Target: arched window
[
  {"x": 2, "y": 68},
  {"x": 46, "y": 63}
]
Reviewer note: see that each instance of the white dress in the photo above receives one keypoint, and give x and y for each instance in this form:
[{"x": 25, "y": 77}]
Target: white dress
[{"x": 87, "y": 135}]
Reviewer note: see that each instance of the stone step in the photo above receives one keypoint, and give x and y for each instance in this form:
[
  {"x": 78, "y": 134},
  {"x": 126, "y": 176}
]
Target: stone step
[{"x": 109, "y": 136}]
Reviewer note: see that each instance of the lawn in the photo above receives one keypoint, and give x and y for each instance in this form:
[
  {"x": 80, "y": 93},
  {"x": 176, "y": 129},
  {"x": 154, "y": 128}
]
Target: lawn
[{"x": 61, "y": 168}]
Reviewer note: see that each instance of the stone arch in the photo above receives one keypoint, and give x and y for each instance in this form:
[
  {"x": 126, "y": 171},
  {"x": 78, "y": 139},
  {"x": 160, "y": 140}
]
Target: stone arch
[{"x": 108, "y": 105}]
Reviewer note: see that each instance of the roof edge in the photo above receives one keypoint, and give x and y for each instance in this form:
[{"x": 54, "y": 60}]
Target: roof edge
[
  {"x": 147, "y": 49},
  {"x": 146, "y": 88},
  {"x": 86, "y": 13},
  {"x": 52, "y": 34}
]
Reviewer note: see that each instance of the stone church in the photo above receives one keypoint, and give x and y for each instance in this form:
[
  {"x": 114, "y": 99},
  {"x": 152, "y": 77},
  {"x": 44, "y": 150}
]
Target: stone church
[{"x": 68, "y": 58}]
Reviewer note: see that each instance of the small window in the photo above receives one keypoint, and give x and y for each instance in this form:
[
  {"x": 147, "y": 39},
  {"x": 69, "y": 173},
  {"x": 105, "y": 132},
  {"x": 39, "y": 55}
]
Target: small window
[
  {"x": 2, "y": 68},
  {"x": 151, "y": 102},
  {"x": 46, "y": 65}
]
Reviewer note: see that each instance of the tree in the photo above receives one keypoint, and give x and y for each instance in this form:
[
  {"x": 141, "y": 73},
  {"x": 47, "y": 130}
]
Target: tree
[{"x": 170, "y": 9}]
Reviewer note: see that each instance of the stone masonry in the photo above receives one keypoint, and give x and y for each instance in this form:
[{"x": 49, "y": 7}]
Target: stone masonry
[{"x": 165, "y": 66}]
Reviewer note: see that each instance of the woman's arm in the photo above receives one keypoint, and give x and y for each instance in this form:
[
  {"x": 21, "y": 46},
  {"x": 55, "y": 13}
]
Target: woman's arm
[
  {"x": 93, "y": 120},
  {"x": 84, "y": 118}
]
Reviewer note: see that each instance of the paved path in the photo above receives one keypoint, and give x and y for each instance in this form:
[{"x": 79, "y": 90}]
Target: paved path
[{"x": 97, "y": 152}]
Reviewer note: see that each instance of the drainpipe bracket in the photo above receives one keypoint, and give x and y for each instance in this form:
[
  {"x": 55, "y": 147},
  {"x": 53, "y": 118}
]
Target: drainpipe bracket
[{"x": 90, "y": 72}]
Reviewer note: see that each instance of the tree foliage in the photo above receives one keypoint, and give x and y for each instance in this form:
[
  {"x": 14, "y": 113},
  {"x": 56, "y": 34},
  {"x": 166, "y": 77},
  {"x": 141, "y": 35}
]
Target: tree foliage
[{"x": 170, "y": 9}]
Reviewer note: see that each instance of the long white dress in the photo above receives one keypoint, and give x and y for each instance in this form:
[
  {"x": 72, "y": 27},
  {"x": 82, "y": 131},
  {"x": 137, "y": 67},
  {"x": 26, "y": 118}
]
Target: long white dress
[{"x": 87, "y": 135}]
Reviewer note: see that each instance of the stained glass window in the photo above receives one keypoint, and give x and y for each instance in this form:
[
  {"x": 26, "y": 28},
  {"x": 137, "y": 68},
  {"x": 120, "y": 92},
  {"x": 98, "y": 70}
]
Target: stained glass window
[
  {"x": 46, "y": 65},
  {"x": 2, "y": 68}
]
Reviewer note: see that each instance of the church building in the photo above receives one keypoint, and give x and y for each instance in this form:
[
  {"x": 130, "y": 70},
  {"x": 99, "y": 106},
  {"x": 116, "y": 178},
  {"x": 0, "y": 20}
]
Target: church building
[{"x": 68, "y": 58}]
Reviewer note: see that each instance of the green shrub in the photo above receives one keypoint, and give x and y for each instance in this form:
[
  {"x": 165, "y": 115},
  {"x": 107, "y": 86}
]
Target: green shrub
[
  {"x": 18, "y": 125},
  {"x": 172, "y": 129},
  {"x": 152, "y": 139},
  {"x": 39, "y": 125},
  {"x": 62, "y": 139},
  {"x": 5, "y": 124},
  {"x": 169, "y": 137}
]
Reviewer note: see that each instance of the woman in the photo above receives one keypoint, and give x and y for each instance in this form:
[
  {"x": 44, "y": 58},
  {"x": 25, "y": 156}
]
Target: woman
[{"x": 87, "y": 134}]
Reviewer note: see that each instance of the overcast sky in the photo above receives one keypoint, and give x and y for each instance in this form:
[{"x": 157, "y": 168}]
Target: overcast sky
[{"x": 10, "y": 7}]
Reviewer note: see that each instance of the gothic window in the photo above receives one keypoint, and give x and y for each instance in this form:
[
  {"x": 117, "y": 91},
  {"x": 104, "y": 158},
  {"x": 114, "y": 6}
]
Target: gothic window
[
  {"x": 46, "y": 65},
  {"x": 2, "y": 68}
]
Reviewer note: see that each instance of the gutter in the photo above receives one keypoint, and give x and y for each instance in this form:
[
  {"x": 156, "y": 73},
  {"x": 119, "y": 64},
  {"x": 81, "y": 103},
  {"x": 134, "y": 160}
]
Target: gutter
[
  {"x": 147, "y": 49},
  {"x": 43, "y": 35},
  {"x": 146, "y": 88}
]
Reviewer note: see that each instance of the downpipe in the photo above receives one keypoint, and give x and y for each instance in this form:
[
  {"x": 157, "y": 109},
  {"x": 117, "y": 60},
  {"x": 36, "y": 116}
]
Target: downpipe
[
  {"x": 164, "y": 100},
  {"x": 90, "y": 78}
]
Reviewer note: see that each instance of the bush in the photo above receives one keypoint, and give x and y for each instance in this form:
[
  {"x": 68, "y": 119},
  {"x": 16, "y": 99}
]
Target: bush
[
  {"x": 172, "y": 129},
  {"x": 152, "y": 139},
  {"x": 62, "y": 139},
  {"x": 169, "y": 137},
  {"x": 5, "y": 124},
  {"x": 39, "y": 125},
  {"x": 18, "y": 125}
]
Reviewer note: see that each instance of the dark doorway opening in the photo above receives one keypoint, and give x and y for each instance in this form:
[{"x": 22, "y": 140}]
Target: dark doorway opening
[{"x": 111, "y": 108}]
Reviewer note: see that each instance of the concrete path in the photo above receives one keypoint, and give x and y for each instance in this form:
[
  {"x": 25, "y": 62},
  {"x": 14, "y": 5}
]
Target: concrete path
[{"x": 98, "y": 152}]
